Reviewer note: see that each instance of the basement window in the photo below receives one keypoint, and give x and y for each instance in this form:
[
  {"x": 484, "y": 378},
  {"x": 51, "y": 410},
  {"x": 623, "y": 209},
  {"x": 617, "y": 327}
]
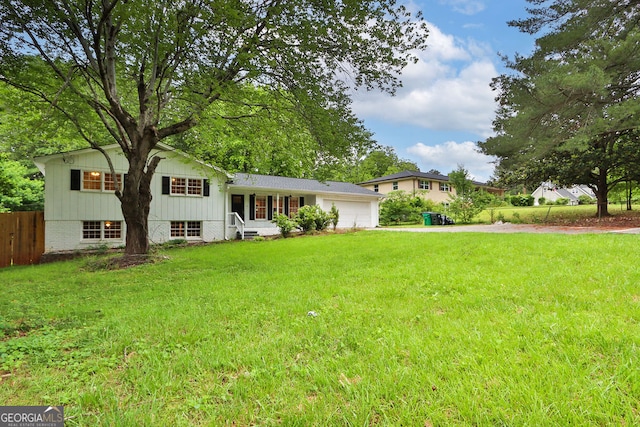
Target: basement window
[
  {"x": 186, "y": 229},
  {"x": 101, "y": 230}
]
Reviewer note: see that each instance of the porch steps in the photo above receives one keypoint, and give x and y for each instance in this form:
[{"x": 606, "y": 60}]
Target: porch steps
[{"x": 248, "y": 234}]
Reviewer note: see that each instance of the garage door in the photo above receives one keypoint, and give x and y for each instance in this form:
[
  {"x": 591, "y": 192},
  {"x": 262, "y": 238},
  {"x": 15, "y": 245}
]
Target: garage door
[{"x": 358, "y": 213}]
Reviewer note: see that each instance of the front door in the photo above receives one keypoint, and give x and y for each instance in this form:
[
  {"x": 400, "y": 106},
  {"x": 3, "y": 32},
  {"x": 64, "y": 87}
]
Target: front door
[{"x": 237, "y": 204}]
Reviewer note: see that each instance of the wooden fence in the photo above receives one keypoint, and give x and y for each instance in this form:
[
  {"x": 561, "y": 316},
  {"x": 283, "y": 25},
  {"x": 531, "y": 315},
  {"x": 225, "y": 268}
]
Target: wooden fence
[{"x": 21, "y": 238}]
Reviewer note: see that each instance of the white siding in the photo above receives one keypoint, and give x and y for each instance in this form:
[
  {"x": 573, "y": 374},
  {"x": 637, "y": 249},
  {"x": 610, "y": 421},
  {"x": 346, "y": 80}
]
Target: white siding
[{"x": 66, "y": 209}]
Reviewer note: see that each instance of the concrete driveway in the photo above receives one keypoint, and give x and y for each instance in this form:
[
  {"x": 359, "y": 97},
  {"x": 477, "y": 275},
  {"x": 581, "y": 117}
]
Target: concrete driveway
[{"x": 512, "y": 228}]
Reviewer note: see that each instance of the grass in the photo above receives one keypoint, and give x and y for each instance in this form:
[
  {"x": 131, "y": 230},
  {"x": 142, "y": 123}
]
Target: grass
[
  {"x": 411, "y": 329},
  {"x": 547, "y": 213}
]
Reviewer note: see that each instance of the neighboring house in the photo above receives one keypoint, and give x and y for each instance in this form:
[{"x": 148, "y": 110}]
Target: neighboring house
[
  {"x": 437, "y": 187},
  {"x": 191, "y": 200},
  {"x": 552, "y": 192}
]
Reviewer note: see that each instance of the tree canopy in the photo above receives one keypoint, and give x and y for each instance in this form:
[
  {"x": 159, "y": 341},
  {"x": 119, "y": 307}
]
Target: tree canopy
[
  {"x": 140, "y": 72},
  {"x": 569, "y": 111}
]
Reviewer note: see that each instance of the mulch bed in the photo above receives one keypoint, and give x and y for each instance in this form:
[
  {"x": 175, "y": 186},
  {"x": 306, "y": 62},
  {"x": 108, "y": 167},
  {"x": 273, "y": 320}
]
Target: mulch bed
[{"x": 617, "y": 220}]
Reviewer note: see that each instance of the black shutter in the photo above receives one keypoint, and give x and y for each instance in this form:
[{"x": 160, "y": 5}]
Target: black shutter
[
  {"x": 75, "y": 179},
  {"x": 270, "y": 207},
  {"x": 286, "y": 206},
  {"x": 301, "y": 201},
  {"x": 205, "y": 186},
  {"x": 252, "y": 207},
  {"x": 166, "y": 185}
]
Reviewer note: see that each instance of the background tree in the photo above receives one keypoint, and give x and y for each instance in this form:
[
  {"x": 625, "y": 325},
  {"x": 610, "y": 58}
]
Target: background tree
[
  {"x": 18, "y": 191},
  {"x": 377, "y": 162},
  {"x": 568, "y": 113},
  {"x": 147, "y": 70},
  {"x": 468, "y": 201},
  {"x": 246, "y": 136},
  {"x": 400, "y": 206}
]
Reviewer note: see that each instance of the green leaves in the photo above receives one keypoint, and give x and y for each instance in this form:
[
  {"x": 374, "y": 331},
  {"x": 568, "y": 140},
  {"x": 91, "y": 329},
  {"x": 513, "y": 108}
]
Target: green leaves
[{"x": 569, "y": 108}]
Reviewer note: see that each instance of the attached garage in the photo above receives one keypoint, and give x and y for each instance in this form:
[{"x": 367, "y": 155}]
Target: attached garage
[{"x": 351, "y": 212}]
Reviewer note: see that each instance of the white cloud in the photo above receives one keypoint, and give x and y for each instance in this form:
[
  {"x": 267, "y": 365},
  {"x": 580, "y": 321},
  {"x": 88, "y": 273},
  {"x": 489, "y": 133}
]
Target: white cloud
[
  {"x": 466, "y": 7},
  {"x": 448, "y": 89},
  {"x": 447, "y": 156}
]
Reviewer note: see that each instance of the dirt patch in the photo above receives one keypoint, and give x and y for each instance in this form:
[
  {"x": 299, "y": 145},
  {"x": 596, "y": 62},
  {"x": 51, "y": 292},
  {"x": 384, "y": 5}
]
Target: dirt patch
[{"x": 615, "y": 221}]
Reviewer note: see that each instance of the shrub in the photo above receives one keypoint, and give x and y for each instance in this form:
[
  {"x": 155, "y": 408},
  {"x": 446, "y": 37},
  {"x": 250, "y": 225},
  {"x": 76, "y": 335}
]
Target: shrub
[
  {"x": 585, "y": 200},
  {"x": 284, "y": 224},
  {"x": 522, "y": 200},
  {"x": 334, "y": 216},
  {"x": 311, "y": 217},
  {"x": 541, "y": 201},
  {"x": 400, "y": 206},
  {"x": 562, "y": 201}
]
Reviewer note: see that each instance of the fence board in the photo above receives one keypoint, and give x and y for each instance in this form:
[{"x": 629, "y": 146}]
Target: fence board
[{"x": 21, "y": 238}]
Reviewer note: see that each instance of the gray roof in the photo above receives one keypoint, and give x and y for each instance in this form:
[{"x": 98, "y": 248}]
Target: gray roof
[
  {"x": 566, "y": 194},
  {"x": 298, "y": 185},
  {"x": 413, "y": 174}
]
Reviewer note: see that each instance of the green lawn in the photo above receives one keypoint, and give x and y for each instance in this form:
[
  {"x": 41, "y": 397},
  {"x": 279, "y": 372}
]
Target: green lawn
[
  {"x": 411, "y": 329},
  {"x": 547, "y": 213}
]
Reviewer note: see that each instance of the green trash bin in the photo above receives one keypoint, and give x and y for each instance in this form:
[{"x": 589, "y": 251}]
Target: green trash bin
[{"x": 427, "y": 218}]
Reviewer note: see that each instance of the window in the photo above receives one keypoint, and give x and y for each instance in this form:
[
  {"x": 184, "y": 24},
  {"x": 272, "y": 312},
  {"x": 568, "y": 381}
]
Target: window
[
  {"x": 178, "y": 185},
  {"x": 184, "y": 186},
  {"x": 194, "y": 229},
  {"x": 444, "y": 186},
  {"x": 112, "y": 230},
  {"x": 110, "y": 183},
  {"x": 99, "y": 181},
  {"x": 91, "y": 180},
  {"x": 261, "y": 207},
  {"x": 424, "y": 185},
  {"x": 91, "y": 229},
  {"x": 177, "y": 229},
  {"x": 194, "y": 187},
  {"x": 294, "y": 205},
  {"x": 281, "y": 205},
  {"x": 97, "y": 230},
  {"x": 375, "y": 188},
  {"x": 186, "y": 229},
  {"x": 395, "y": 185}
]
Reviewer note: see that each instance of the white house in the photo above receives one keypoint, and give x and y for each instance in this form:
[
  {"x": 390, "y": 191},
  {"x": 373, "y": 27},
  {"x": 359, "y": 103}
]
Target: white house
[
  {"x": 191, "y": 200},
  {"x": 552, "y": 192}
]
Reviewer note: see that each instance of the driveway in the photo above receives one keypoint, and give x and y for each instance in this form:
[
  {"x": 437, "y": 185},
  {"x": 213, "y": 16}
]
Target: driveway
[{"x": 513, "y": 228}]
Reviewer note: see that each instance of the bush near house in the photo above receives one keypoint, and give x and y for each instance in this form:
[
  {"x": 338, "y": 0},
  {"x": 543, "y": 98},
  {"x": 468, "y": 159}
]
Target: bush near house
[
  {"x": 403, "y": 207},
  {"x": 285, "y": 224},
  {"x": 522, "y": 200},
  {"x": 586, "y": 200},
  {"x": 312, "y": 218}
]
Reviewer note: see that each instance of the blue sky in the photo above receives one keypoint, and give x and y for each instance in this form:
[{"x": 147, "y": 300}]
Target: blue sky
[{"x": 446, "y": 104}]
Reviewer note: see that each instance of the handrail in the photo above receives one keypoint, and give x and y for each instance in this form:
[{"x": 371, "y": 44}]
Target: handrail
[{"x": 236, "y": 221}]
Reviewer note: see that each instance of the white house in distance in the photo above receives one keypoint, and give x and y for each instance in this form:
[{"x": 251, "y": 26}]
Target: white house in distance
[
  {"x": 552, "y": 192},
  {"x": 191, "y": 200}
]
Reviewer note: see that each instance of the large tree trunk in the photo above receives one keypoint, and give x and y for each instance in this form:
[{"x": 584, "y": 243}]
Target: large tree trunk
[
  {"x": 135, "y": 199},
  {"x": 602, "y": 195}
]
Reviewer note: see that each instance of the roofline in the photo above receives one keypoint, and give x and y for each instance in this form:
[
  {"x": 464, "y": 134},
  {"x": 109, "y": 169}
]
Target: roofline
[
  {"x": 303, "y": 191},
  {"x": 418, "y": 175},
  {"x": 40, "y": 160}
]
